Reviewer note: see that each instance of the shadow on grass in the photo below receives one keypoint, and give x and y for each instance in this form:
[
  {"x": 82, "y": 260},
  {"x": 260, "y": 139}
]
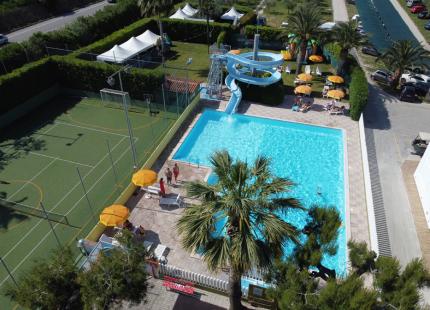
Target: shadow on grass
[{"x": 7, "y": 213}]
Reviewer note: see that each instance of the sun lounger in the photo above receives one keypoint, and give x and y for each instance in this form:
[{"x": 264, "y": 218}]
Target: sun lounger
[
  {"x": 160, "y": 253},
  {"x": 171, "y": 200},
  {"x": 308, "y": 69},
  {"x": 337, "y": 111},
  {"x": 152, "y": 190},
  {"x": 318, "y": 71},
  {"x": 288, "y": 69}
]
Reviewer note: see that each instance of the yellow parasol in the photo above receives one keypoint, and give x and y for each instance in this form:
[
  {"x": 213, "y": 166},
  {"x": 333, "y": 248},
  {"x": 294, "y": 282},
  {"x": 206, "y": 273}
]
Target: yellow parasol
[
  {"x": 303, "y": 89},
  {"x": 286, "y": 55},
  {"x": 305, "y": 77},
  {"x": 144, "y": 177},
  {"x": 335, "y": 94},
  {"x": 335, "y": 79},
  {"x": 316, "y": 58},
  {"x": 114, "y": 215},
  {"x": 235, "y": 52}
]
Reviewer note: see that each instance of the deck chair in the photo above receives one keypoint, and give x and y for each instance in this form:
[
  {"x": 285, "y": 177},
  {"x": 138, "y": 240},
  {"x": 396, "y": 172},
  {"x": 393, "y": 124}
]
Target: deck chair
[
  {"x": 308, "y": 69},
  {"x": 288, "y": 69},
  {"x": 172, "y": 200},
  {"x": 318, "y": 71},
  {"x": 152, "y": 190}
]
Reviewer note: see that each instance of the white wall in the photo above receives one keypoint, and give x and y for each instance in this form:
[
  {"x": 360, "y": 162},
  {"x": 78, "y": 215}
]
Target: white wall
[{"x": 422, "y": 180}]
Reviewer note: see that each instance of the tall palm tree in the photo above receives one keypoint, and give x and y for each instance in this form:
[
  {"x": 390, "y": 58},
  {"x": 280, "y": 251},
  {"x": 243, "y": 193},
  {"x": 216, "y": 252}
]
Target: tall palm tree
[
  {"x": 156, "y": 8},
  {"x": 346, "y": 35},
  {"x": 249, "y": 199},
  {"x": 401, "y": 55},
  {"x": 304, "y": 22}
]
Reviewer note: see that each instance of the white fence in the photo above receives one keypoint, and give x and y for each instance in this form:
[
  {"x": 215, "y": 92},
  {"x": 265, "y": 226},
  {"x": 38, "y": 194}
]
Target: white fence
[
  {"x": 199, "y": 279},
  {"x": 422, "y": 180},
  {"x": 368, "y": 188}
]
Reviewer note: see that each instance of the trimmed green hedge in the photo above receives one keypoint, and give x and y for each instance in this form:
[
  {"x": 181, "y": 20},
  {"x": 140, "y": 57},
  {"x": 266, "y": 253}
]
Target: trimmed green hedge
[
  {"x": 221, "y": 38},
  {"x": 25, "y": 82},
  {"x": 266, "y": 33},
  {"x": 271, "y": 95},
  {"x": 358, "y": 93}
]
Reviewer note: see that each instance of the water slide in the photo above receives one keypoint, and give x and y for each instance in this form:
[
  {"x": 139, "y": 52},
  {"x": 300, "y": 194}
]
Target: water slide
[{"x": 239, "y": 67}]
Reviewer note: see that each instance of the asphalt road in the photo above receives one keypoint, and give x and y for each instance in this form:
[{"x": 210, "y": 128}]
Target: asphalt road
[{"x": 55, "y": 23}]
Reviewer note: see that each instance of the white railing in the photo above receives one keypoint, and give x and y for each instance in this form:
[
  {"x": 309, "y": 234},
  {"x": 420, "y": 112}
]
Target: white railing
[
  {"x": 197, "y": 278},
  {"x": 368, "y": 188}
]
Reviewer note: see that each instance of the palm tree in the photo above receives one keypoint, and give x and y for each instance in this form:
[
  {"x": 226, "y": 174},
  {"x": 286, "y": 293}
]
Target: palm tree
[
  {"x": 401, "y": 55},
  {"x": 156, "y": 8},
  {"x": 304, "y": 22},
  {"x": 346, "y": 35},
  {"x": 249, "y": 199}
]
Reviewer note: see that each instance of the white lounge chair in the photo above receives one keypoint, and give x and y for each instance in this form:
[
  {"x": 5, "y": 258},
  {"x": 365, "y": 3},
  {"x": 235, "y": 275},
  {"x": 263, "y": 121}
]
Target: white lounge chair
[
  {"x": 171, "y": 200},
  {"x": 318, "y": 71},
  {"x": 160, "y": 253},
  {"x": 308, "y": 69},
  {"x": 337, "y": 110},
  {"x": 152, "y": 190},
  {"x": 288, "y": 69}
]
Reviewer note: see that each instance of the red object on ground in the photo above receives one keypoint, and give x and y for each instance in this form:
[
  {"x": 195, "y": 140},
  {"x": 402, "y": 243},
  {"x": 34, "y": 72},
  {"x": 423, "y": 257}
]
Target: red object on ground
[
  {"x": 418, "y": 8},
  {"x": 179, "y": 285}
]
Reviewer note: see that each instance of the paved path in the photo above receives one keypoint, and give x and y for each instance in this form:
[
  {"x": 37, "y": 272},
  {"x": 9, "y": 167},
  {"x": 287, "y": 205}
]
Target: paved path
[
  {"x": 410, "y": 23},
  {"x": 55, "y": 23},
  {"x": 340, "y": 14}
]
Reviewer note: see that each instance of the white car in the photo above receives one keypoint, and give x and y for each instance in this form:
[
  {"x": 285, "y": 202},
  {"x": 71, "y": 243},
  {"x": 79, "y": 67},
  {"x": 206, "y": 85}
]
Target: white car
[{"x": 414, "y": 78}]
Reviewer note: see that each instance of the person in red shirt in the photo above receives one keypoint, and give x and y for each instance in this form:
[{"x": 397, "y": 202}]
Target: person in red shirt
[
  {"x": 162, "y": 188},
  {"x": 176, "y": 172}
]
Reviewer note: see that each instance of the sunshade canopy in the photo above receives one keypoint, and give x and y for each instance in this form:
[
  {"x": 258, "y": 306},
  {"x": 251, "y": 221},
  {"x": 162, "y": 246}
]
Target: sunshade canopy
[
  {"x": 114, "y": 215},
  {"x": 232, "y": 14}
]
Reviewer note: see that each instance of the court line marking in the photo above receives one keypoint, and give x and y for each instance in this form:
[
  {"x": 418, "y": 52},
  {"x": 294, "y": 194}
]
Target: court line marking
[
  {"x": 55, "y": 206},
  {"x": 49, "y": 232},
  {"x": 89, "y": 128},
  {"x": 61, "y": 159},
  {"x": 35, "y": 176}
]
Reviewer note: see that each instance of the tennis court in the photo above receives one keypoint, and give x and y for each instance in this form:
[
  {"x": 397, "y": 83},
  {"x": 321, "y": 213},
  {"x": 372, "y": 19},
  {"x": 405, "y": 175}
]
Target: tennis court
[{"x": 39, "y": 162}]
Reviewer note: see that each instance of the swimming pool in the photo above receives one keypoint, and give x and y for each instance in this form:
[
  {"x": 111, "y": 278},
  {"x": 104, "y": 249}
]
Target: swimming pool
[{"x": 310, "y": 156}]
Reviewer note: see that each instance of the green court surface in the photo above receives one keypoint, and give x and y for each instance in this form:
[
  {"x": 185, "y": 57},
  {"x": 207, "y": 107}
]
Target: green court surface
[{"x": 39, "y": 158}]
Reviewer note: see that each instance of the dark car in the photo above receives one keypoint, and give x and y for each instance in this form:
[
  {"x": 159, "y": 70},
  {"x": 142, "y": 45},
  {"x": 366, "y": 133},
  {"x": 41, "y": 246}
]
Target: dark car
[
  {"x": 427, "y": 26},
  {"x": 370, "y": 50},
  {"x": 423, "y": 15},
  {"x": 3, "y": 39},
  {"x": 421, "y": 88},
  {"x": 408, "y": 93}
]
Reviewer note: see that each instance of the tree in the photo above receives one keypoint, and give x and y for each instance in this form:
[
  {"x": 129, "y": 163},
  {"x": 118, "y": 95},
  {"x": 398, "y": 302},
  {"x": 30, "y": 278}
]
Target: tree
[
  {"x": 304, "y": 22},
  {"x": 156, "y": 8},
  {"x": 347, "y": 37},
  {"x": 118, "y": 275},
  {"x": 362, "y": 260},
  {"x": 208, "y": 8},
  {"x": 321, "y": 232},
  {"x": 401, "y": 55},
  {"x": 249, "y": 199},
  {"x": 50, "y": 284}
]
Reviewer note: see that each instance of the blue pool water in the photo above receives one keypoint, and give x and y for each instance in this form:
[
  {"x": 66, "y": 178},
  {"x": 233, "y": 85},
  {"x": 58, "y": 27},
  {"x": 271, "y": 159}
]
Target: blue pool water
[{"x": 310, "y": 156}]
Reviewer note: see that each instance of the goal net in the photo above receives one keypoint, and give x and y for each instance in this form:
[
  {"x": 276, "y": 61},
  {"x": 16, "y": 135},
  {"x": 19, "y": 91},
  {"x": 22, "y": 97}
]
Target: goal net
[{"x": 115, "y": 99}]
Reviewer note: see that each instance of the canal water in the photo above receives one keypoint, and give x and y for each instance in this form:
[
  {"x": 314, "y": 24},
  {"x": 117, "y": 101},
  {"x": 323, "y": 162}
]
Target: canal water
[{"x": 382, "y": 23}]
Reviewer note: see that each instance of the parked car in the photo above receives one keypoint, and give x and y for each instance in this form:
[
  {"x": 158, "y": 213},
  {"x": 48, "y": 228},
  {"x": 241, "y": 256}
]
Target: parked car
[
  {"x": 427, "y": 26},
  {"x": 414, "y": 78},
  {"x": 382, "y": 76},
  {"x": 3, "y": 39},
  {"x": 424, "y": 15},
  {"x": 421, "y": 88},
  {"x": 418, "y": 8},
  {"x": 370, "y": 50},
  {"x": 411, "y": 3},
  {"x": 408, "y": 93}
]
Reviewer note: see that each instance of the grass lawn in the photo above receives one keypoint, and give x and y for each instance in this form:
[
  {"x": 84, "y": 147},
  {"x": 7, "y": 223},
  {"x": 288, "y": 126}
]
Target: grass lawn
[
  {"x": 418, "y": 22},
  {"x": 351, "y": 9}
]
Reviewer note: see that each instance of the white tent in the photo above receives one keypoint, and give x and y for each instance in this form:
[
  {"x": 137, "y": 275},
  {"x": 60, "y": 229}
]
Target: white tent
[
  {"x": 189, "y": 10},
  {"x": 115, "y": 54},
  {"x": 327, "y": 26},
  {"x": 130, "y": 48},
  {"x": 232, "y": 14},
  {"x": 179, "y": 14}
]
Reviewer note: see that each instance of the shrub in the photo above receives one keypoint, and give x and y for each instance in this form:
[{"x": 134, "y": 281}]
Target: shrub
[
  {"x": 221, "y": 38},
  {"x": 266, "y": 33},
  {"x": 26, "y": 82},
  {"x": 271, "y": 95},
  {"x": 358, "y": 93},
  {"x": 12, "y": 56}
]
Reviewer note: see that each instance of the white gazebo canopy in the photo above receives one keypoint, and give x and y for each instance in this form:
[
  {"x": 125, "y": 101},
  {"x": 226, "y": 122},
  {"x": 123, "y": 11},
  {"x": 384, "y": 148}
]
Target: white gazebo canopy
[
  {"x": 232, "y": 14},
  {"x": 189, "y": 10},
  {"x": 179, "y": 14},
  {"x": 130, "y": 48},
  {"x": 327, "y": 26}
]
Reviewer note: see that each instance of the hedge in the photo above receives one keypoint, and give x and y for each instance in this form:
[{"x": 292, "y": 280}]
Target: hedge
[
  {"x": 358, "y": 93},
  {"x": 266, "y": 33},
  {"x": 79, "y": 33},
  {"x": 26, "y": 82}
]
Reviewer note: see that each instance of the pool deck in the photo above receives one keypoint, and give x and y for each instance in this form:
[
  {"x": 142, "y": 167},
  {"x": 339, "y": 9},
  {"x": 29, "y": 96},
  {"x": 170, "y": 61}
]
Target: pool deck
[{"x": 159, "y": 222}]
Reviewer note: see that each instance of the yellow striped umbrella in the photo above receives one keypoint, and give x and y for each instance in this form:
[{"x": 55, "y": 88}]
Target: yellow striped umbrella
[
  {"x": 114, "y": 215},
  {"x": 316, "y": 58},
  {"x": 303, "y": 89},
  {"x": 335, "y": 94},
  {"x": 235, "y": 52},
  {"x": 144, "y": 177},
  {"x": 335, "y": 79},
  {"x": 305, "y": 77}
]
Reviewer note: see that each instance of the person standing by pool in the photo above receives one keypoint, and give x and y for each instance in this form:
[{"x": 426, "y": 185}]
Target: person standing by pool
[
  {"x": 162, "y": 189},
  {"x": 176, "y": 172},
  {"x": 169, "y": 175}
]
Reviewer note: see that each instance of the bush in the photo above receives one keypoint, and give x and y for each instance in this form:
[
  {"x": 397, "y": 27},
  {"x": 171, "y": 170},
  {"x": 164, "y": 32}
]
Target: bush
[
  {"x": 12, "y": 56},
  {"x": 358, "y": 93},
  {"x": 271, "y": 95},
  {"x": 250, "y": 18},
  {"x": 221, "y": 38},
  {"x": 26, "y": 82},
  {"x": 266, "y": 33}
]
